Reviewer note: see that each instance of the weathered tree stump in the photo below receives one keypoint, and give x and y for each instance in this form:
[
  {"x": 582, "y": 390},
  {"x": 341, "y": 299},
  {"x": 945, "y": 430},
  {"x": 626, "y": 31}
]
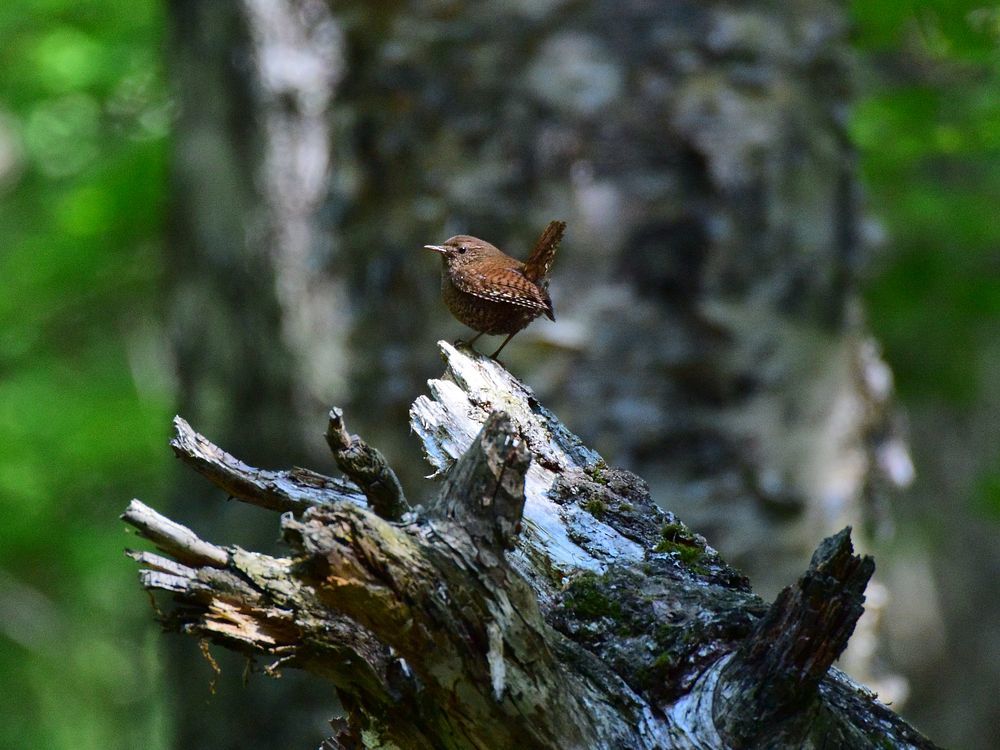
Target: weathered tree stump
[{"x": 540, "y": 600}]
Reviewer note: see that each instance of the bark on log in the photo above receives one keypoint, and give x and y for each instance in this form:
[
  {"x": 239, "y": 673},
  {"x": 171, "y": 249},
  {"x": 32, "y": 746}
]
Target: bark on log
[{"x": 608, "y": 624}]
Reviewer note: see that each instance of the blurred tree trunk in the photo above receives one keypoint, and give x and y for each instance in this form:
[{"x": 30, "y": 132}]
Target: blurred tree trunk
[
  {"x": 708, "y": 332},
  {"x": 705, "y": 294},
  {"x": 250, "y": 325}
]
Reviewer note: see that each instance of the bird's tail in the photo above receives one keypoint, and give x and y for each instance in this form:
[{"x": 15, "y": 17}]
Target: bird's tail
[{"x": 537, "y": 266}]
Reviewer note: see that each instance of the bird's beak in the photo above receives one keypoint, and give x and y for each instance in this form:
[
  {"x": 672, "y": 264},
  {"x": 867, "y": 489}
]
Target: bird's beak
[{"x": 437, "y": 248}]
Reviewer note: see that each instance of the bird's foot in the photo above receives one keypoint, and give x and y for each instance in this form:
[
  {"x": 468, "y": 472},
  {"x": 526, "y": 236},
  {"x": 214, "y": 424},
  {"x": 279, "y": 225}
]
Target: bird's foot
[{"x": 470, "y": 343}]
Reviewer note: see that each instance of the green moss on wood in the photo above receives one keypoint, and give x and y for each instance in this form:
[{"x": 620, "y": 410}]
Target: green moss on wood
[
  {"x": 677, "y": 539},
  {"x": 596, "y": 472},
  {"x": 596, "y": 507},
  {"x": 585, "y": 599}
]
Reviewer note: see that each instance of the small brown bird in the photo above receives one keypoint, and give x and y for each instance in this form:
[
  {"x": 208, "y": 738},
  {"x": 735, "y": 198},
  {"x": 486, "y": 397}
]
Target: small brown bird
[{"x": 493, "y": 293}]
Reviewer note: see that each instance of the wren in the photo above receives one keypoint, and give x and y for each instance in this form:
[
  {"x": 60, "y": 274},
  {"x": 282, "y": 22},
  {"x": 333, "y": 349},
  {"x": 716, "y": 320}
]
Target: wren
[{"x": 493, "y": 293}]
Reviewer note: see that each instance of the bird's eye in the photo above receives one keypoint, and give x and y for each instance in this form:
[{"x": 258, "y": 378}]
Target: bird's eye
[{"x": 462, "y": 249}]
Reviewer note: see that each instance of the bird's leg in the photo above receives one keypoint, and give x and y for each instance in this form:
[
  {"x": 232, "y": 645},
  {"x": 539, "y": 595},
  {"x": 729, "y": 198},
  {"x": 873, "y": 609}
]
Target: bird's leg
[
  {"x": 470, "y": 342},
  {"x": 494, "y": 355}
]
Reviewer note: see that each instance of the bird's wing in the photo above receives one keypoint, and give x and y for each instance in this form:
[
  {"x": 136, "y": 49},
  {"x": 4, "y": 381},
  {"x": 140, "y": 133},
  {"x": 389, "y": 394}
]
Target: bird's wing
[
  {"x": 537, "y": 266},
  {"x": 503, "y": 285}
]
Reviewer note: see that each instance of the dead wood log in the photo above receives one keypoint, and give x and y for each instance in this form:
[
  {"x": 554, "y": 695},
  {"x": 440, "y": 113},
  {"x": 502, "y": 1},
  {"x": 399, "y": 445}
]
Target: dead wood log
[{"x": 540, "y": 600}]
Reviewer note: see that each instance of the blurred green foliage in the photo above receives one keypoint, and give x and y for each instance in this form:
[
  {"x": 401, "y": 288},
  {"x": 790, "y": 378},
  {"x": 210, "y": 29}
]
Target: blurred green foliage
[
  {"x": 84, "y": 406},
  {"x": 929, "y": 132}
]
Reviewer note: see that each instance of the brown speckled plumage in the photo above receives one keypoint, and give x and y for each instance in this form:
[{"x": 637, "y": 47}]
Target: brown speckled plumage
[{"x": 490, "y": 291}]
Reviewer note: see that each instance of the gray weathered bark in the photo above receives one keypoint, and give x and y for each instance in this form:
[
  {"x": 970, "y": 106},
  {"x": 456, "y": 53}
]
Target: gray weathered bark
[{"x": 608, "y": 624}]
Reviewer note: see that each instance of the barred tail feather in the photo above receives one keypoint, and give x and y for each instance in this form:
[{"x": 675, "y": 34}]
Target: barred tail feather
[{"x": 537, "y": 266}]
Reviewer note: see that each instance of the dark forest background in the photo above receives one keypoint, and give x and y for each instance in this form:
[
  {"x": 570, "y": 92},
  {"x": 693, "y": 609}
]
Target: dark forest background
[{"x": 161, "y": 206}]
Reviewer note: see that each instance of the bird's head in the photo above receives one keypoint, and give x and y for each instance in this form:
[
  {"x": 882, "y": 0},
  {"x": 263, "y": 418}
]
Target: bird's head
[{"x": 462, "y": 249}]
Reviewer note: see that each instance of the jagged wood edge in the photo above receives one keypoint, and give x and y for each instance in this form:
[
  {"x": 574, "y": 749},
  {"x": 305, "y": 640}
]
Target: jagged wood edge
[{"x": 293, "y": 490}]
